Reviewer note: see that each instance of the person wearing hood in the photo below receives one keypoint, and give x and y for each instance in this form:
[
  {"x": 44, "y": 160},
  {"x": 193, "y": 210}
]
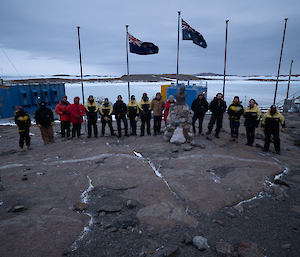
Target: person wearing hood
[
  {"x": 217, "y": 107},
  {"x": 91, "y": 108},
  {"x": 133, "y": 113},
  {"x": 199, "y": 107},
  {"x": 106, "y": 110},
  {"x": 252, "y": 117},
  {"x": 270, "y": 125},
  {"x": 167, "y": 106},
  {"x": 77, "y": 112},
  {"x": 145, "y": 112},
  {"x": 235, "y": 111},
  {"x": 120, "y": 110},
  {"x": 62, "y": 109},
  {"x": 45, "y": 120},
  {"x": 157, "y": 107},
  {"x": 23, "y": 122}
]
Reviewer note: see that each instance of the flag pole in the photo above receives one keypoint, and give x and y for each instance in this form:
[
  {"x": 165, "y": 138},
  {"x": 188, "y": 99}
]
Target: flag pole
[
  {"x": 127, "y": 58},
  {"x": 288, "y": 87},
  {"x": 178, "y": 51},
  {"x": 80, "y": 66},
  {"x": 280, "y": 61},
  {"x": 82, "y": 91},
  {"x": 225, "y": 58}
]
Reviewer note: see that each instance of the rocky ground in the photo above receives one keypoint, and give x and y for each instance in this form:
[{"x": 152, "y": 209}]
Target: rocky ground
[{"x": 147, "y": 197}]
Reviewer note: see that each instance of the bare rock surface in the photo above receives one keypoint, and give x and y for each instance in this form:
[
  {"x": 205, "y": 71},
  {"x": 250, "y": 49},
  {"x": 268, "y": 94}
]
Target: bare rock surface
[{"x": 175, "y": 191}]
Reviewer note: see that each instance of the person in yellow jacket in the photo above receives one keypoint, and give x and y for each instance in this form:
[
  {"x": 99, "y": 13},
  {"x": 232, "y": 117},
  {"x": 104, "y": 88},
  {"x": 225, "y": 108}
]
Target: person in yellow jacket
[
  {"x": 270, "y": 125},
  {"x": 23, "y": 122},
  {"x": 145, "y": 112},
  {"x": 106, "y": 110},
  {"x": 91, "y": 108},
  {"x": 252, "y": 117},
  {"x": 133, "y": 113}
]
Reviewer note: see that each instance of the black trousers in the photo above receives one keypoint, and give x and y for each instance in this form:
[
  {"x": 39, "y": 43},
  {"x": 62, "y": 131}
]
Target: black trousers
[
  {"x": 145, "y": 121},
  {"x": 92, "y": 122},
  {"x": 157, "y": 123},
  {"x": 213, "y": 119},
  {"x": 250, "y": 135},
  {"x": 133, "y": 125},
  {"x": 268, "y": 140},
  {"x": 200, "y": 123},
  {"x": 24, "y": 135},
  {"x": 65, "y": 126},
  {"x": 109, "y": 122},
  {"x": 76, "y": 130},
  {"x": 234, "y": 126},
  {"x": 119, "y": 125}
]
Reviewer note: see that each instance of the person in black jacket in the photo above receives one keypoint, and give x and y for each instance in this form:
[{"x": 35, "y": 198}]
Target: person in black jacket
[
  {"x": 120, "y": 110},
  {"x": 23, "y": 122},
  {"x": 199, "y": 107},
  {"x": 217, "y": 107},
  {"x": 45, "y": 120}
]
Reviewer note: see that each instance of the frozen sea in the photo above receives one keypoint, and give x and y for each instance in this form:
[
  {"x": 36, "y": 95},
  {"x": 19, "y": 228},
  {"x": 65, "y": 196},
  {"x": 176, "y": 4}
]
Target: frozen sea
[{"x": 261, "y": 91}]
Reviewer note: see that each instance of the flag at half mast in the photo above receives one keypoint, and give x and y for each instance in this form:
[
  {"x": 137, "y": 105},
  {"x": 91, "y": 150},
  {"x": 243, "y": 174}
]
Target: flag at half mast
[
  {"x": 140, "y": 47},
  {"x": 188, "y": 33}
]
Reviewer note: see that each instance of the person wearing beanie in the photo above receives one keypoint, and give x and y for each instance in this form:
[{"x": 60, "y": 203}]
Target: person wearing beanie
[
  {"x": 145, "y": 112},
  {"x": 77, "y": 112},
  {"x": 120, "y": 110},
  {"x": 199, "y": 107},
  {"x": 106, "y": 110},
  {"x": 23, "y": 122},
  {"x": 157, "y": 107},
  {"x": 235, "y": 111},
  {"x": 270, "y": 126},
  {"x": 62, "y": 109},
  {"x": 91, "y": 108},
  {"x": 252, "y": 117},
  {"x": 217, "y": 107},
  {"x": 167, "y": 106},
  {"x": 45, "y": 120},
  {"x": 133, "y": 114}
]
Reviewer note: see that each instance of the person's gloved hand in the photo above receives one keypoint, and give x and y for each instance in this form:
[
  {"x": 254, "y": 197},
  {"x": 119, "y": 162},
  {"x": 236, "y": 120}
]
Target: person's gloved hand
[
  {"x": 78, "y": 116},
  {"x": 106, "y": 118},
  {"x": 136, "y": 118},
  {"x": 262, "y": 129},
  {"x": 282, "y": 129},
  {"x": 65, "y": 112},
  {"x": 39, "y": 125},
  {"x": 52, "y": 123}
]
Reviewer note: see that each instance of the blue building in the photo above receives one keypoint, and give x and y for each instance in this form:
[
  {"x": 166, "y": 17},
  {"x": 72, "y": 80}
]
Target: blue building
[
  {"x": 192, "y": 91},
  {"x": 29, "y": 96}
]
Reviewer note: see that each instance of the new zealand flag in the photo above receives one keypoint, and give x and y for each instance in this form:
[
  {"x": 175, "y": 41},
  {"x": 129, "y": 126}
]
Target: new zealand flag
[
  {"x": 140, "y": 47},
  {"x": 188, "y": 33}
]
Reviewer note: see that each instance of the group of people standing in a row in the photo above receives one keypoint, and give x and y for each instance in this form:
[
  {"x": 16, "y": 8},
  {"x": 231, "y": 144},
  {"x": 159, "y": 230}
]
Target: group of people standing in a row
[{"x": 73, "y": 113}]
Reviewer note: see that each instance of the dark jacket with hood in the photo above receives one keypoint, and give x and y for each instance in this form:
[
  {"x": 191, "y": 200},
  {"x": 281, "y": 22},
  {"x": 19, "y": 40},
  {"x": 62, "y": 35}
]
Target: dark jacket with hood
[
  {"x": 120, "y": 109},
  {"x": 199, "y": 107},
  {"x": 217, "y": 108},
  {"x": 44, "y": 117}
]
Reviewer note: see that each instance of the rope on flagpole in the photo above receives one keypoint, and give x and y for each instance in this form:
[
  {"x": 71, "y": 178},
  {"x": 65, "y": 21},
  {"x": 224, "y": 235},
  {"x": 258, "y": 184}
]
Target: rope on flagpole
[
  {"x": 127, "y": 59},
  {"x": 280, "y": 61},
  {"x": 177, "y": 53},
  {"x": 225, "y": 58}
]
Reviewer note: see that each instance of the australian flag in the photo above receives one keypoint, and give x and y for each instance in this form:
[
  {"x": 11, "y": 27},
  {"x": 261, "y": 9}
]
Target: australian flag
[
  {"x": 188, "y": 33},
  {"x": 140, "y": 47}
]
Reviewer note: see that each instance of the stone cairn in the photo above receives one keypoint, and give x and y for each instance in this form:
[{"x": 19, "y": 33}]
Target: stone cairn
[{"x": 179, "y": 125}]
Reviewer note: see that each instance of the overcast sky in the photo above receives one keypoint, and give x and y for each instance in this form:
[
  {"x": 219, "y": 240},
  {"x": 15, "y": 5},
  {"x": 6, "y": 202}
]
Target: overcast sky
[{"x": 40, "y": 37}]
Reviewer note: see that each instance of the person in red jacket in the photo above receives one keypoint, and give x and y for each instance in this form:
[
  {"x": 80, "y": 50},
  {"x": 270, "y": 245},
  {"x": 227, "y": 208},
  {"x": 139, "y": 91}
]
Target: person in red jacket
[
  {"x": 167, "y": 106},
  {"x": 77, "y": 112},
  {"x": 62, "y": 109}
]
